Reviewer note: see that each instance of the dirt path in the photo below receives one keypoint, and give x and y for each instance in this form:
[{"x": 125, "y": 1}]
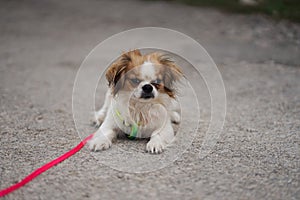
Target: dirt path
[{"x": 42, "y": 46}]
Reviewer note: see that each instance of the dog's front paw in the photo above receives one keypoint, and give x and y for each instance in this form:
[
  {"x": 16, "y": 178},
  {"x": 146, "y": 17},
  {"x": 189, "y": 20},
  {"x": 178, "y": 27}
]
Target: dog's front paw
[
  {"x": 99, "y": 143},
  {"x": 155, "y": 145},
  {"x": 99, "y": 118}
]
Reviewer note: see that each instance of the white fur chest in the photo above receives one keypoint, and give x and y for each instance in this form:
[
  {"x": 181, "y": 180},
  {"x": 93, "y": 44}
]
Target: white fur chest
[{"x": 146, "y": 116}]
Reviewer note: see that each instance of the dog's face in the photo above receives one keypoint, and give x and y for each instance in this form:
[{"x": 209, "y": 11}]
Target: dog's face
[{"x": 145, "y": 77}]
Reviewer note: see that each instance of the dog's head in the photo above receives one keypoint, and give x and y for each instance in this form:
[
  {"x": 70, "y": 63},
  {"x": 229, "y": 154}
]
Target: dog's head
[{"x": 145, "y": 76}]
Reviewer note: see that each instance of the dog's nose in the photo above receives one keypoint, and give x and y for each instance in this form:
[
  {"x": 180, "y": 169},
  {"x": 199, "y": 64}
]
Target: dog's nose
[{"x": 147, "y": 88}]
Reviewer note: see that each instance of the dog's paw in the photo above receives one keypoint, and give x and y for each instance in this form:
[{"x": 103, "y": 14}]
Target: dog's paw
[
  {"x": 155, "y": 145},
  {"x": 99, "y": 143},
  {"x": 99, "y": 118},
  {"x": 175, "y": 117}
]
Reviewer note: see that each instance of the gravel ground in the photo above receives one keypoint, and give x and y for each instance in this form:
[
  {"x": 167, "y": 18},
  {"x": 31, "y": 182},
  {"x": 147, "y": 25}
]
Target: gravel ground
[{"x": 42, "y": 46}]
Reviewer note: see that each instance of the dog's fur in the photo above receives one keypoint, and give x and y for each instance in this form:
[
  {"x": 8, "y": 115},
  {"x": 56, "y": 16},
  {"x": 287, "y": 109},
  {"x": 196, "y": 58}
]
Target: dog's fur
[{"x": 142, "y": 89}]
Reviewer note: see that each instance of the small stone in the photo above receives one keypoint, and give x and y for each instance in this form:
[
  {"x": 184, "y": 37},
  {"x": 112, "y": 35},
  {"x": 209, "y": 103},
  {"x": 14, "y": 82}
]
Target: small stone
[
  {"x": 40, "y": 117},
  {"x": 119, "y": 175}
]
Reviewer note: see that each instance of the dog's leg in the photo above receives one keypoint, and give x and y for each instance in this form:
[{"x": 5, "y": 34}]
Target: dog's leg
[
  {"x": 163, "y": 135},
  {"x": 175, "y": 117},
  {"x": 101, "y": 114},
  {"x": 160, "y": 138},
  {"x": 175, "y": 112},
  {"x": 104, "y": 136}
]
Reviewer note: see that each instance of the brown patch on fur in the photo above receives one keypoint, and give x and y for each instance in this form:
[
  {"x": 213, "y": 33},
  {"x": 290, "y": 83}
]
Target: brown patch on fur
[
  {"x": 115, "y": 72},
  {"x": 168, "y": 72}
]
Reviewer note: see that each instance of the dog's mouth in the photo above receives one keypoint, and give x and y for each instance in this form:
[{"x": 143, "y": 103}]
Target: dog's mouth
[{"x": 147, "y": 96}]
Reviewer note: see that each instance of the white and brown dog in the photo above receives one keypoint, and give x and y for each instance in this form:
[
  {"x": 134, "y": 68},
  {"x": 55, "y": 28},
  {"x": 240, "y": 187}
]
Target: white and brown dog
[{"x": 140, "y": 101}]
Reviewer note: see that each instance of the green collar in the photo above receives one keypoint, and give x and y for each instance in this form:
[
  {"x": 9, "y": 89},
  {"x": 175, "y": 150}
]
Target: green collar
[{"x": 134, "y": 127}]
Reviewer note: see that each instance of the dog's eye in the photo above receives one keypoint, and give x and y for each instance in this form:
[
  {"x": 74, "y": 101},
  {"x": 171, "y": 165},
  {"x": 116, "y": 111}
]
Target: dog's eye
[
  {"x": 135, "y": 81},
  {"x": 157, "y": 81}
]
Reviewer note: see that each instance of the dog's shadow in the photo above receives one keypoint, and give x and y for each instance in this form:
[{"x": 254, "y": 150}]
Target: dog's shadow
[{"x": 131, "y": 145}]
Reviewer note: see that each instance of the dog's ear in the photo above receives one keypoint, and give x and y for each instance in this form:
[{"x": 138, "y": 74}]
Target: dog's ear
[
  {"x": 115, "y": 71},
  {"x": 172, "y": 74}
]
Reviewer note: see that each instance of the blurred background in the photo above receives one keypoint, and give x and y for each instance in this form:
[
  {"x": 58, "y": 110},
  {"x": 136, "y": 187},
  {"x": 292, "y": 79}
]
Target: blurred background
[
  {"x": 255, "y": 44},
  {"x": 278, "y": 9}
]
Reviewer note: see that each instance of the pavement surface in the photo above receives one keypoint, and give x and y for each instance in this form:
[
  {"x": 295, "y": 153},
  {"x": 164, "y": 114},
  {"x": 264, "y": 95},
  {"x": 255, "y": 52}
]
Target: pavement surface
[{"x": 42, "y": 47}]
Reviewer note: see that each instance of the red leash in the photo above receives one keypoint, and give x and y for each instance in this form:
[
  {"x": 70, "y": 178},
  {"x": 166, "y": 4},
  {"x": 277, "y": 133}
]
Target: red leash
[{"x": 44, "y": 168}]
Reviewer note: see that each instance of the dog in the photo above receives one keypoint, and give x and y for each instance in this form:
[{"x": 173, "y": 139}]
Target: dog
[{"x": 140, "y": 102}]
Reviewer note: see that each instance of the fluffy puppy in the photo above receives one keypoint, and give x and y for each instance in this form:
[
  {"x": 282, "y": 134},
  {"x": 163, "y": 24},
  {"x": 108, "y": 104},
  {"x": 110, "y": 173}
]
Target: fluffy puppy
[{"x": 140, "y": 101}]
